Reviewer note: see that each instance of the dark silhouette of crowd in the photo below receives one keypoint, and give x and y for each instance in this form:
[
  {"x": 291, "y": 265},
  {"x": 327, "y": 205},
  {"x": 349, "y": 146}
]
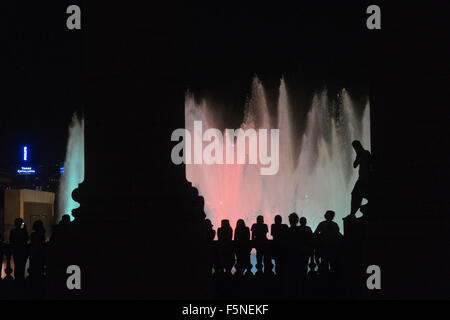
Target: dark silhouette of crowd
[
  {"x": 295, "y": 254},
  {"x": 292, "y": 254},
  {"x": 22, "y": 248},
  {"x": 293, "y": 249}
]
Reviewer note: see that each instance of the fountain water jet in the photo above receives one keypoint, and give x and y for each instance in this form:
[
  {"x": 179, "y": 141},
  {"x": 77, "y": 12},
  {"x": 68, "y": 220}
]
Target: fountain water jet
[
  {"x": 73, "y": 168},
  {"x": 315, "y": 173}
]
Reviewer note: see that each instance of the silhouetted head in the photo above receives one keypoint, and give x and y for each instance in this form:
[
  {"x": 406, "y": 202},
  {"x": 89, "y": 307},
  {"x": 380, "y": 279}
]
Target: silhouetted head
[
  {"x": 293, "y": 219},
  {"x": 225, "y": 223},
  {"x": 303, "y": 221},
  {"x": 329, "y": 215},
  {"x": 356, "y": 144},
  {"x": 259, "y": 219},
  {"x": 278, "y": 219},
  {"x": 240, "y": 224},
  {"x": 38, "y": 226},
  {"x": 18, "y": 222},
  {"x": 65, "y": 219},
  {"x": 208, "y": 223}
]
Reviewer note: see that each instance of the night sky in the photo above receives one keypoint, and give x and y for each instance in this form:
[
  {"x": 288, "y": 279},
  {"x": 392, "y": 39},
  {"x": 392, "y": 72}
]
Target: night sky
[
  {"x": 43, "y": 88},
  {"x": 312, "y": 44}
]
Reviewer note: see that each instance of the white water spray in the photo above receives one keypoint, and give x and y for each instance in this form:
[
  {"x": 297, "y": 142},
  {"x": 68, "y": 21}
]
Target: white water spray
[
  {"x": 315, "y": 173},
  {"x": 73, "y": 168}
]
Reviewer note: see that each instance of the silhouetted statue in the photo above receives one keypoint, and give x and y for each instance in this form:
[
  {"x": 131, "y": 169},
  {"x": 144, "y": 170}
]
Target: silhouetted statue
[
  {"x": 18, "y": 239},
  {"x": 37, "y": 250},
  {"x": 306, "y": 245},
  {"x": 226, "y": 254},
  {"x": 65, "y": 219},
  {"x": 259, "y": 238},
  {"x": 210, "y": 232},
  {"x": 279, "y": 233},
  {"x": 361, "y": 188},
  {"x": 242, "y": 248},
  {"x": 198, "y": 204},
  {"x": 328, "y": 243}
]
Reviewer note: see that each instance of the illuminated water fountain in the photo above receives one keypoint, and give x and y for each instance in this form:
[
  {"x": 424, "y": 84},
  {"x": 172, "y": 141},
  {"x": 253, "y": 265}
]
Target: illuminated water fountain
[
  {"x": 73, "y": 168},
  {"x": 315, "y": 171}
]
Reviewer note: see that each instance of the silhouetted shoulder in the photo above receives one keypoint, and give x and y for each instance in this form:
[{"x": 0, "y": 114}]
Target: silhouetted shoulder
[
  {"x": 335, "y": 226},
  {"x": 320, "y": 227}
]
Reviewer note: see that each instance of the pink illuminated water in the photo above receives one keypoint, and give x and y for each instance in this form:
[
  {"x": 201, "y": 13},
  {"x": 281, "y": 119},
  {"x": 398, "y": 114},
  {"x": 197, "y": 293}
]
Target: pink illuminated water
[{"x": 315, "y": 172}]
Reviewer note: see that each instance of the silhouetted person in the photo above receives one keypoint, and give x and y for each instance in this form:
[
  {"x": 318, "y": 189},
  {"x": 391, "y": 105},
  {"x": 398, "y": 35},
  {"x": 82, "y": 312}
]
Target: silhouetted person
[
  {"x": 312, "y": 284},
  {"x": 18, "y": 239},
  {"x": 293, "y": 257},
  {"x": 59, "y": 228},
  {"x": 278, "y": 231},
  {"x": 210, "y": 234},
  {"x": 312, "y": 268},
  {"x": 242, "y": 248},
  {"x": 293, "y": 231},
  {"x": 306, "y": 244},
  {"x": 37, "y": 250},
  {"x": 259, "y": 238},
  {"x": 361, "y": 188},
  {"x": 226, "y": 254},
  {"x": 328, "y": 243}
]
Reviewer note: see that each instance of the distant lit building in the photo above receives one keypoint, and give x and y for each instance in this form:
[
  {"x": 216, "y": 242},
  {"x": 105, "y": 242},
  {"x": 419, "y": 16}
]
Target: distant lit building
[
  {"x": 30, "y": 205},
  {"x": 29, "y": 192},
  {"x": 36, "y": 177},
  {"x": 53, "y": 177},
  {"x": 25, "y": 168}
]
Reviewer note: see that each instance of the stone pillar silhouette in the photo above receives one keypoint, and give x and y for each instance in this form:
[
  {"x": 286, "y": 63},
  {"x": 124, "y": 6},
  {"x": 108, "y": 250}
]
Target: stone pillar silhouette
[
  {"x": 353, "y": 256},
  {"x": 138, "y": 230}
]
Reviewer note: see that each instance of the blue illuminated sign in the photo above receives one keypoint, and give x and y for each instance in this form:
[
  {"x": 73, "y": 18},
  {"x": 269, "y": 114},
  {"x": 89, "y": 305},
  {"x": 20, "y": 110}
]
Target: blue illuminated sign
[
  {"x": 61, "y": 170},
  {"x": 26, "y": 170}
]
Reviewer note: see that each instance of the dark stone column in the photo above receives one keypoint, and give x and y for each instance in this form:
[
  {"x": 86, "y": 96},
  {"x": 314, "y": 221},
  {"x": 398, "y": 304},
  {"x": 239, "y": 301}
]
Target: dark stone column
[{"x": 138, "y": 231}]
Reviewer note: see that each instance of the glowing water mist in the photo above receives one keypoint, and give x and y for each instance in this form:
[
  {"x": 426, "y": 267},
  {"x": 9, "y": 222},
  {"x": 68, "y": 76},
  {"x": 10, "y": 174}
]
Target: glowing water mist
[
  {"x": 315, "y": 172},
  {"x": 73, "y": 168}
]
